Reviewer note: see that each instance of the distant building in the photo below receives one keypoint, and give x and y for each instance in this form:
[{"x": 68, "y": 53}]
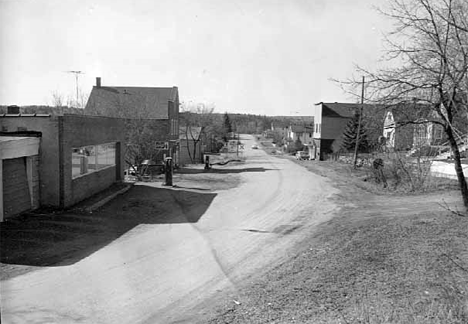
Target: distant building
[
  {"x": 330, "y": 120},
  {"x": 157, "y": 106},
  {"x": 410, "y": 126}
]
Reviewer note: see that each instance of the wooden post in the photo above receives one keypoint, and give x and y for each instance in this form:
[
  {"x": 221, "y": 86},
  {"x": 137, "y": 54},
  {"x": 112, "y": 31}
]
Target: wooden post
[
  {"x": 359, "y": 126},
  {"x": 168, "y": 171},
  {"x": 29, "y": 175},
  {"x": 1, "y": 190}
]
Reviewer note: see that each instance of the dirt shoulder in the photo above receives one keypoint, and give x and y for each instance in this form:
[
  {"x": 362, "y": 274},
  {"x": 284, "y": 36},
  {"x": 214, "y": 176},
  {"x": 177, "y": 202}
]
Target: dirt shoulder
[{"x": 384, "y": 258}]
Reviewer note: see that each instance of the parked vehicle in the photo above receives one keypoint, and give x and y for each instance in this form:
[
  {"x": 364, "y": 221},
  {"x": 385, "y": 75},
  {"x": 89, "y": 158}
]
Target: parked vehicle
[
  {"x": 255, "y": 147},
  {"x": 301, "y": 155}
]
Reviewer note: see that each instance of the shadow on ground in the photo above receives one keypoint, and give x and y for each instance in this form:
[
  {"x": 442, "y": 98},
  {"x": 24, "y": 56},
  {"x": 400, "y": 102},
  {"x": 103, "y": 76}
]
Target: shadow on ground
[
  {"x": 217, "y": 169},
  {"x": 49, "y": 239}
]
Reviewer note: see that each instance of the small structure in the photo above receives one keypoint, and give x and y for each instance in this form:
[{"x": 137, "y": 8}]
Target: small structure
[{"x": 58, "y": 160}]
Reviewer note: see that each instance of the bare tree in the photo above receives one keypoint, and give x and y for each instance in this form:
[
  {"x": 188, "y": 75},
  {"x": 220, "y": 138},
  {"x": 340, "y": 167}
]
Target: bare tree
[
  {"x": 430, "y": 48},
  {"x": 57, "y": 99},
  {"x": 197, "y": 123}
]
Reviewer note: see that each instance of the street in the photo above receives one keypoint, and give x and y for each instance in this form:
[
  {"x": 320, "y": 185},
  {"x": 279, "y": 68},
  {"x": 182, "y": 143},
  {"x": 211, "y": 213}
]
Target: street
[{"x": 156, "y": 272}]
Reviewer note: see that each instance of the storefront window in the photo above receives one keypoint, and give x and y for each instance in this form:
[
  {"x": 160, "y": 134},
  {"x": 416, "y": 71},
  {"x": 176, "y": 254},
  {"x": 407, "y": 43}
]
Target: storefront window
[{"x": 92, "y": 158}]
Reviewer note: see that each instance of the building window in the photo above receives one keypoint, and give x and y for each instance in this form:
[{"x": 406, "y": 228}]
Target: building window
[
  {"x": 438, "y": 132},
  {"x": 92, "y": 158}
]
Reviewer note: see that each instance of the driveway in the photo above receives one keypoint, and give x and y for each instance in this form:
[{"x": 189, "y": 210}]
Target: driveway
[{"x": 176, "y": 247}]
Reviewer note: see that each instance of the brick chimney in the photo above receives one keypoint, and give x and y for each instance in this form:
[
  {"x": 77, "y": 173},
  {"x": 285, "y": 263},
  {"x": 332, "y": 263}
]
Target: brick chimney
[
  {"x": 14, "y": 110},
  {"x": 98, "y": 82}
]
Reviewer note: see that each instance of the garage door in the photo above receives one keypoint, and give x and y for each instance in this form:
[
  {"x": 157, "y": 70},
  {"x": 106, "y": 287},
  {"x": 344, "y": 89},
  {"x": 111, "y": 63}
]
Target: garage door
[{"x": 16, "y": 197}]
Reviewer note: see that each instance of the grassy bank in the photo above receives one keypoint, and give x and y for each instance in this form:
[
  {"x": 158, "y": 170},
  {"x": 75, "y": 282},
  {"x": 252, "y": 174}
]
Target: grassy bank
[{"x": 382, "y": 259}]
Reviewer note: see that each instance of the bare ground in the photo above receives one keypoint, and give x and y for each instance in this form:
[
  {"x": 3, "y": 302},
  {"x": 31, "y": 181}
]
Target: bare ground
[{"x": 384, "y": 258}]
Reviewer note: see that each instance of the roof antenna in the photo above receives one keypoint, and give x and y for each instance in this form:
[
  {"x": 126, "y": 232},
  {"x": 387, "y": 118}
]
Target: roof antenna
[{"x": 76, "y": 79}]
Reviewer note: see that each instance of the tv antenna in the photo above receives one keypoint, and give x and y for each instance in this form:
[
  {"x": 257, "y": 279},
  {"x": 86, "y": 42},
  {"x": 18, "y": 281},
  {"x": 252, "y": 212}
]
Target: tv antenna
[{"x": 76, "y": 73}]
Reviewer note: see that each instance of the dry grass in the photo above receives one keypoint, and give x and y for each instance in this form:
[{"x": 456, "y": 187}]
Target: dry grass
[{"x": 382, "y": 259}]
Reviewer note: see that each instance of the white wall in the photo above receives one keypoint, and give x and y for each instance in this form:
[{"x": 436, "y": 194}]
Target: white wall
[{"x": 317, "y": 114}]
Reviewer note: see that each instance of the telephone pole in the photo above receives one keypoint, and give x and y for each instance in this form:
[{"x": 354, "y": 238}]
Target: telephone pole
[{"x": 359, "y": 125}]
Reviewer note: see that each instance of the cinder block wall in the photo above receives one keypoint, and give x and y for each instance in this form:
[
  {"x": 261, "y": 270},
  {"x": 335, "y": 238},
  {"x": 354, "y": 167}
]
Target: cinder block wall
[
  {"x": 49, "y": 152},
  {"x": 81, "y": 131}
]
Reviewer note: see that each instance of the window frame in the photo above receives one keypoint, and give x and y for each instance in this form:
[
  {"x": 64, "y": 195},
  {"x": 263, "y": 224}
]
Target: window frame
[{"x": 84, "y": 166}]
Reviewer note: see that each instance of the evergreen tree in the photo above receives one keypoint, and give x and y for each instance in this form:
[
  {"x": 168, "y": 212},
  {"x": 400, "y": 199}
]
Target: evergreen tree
[
  {"x": 227, "y": 124},
  {"x": 350, "y": 132}
]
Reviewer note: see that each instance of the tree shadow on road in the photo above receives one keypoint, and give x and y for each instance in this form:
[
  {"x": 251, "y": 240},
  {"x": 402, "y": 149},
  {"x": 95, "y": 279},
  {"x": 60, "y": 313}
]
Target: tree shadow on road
[
  {"x": 215, "y": 169},
  {"x": 48, "y": 239}
]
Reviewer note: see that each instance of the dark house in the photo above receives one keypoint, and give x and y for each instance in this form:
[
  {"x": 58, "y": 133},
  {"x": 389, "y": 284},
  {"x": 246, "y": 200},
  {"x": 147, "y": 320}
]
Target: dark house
[
  {"x": 330, "y": 120},
  {"x": 157, "y": 108}
]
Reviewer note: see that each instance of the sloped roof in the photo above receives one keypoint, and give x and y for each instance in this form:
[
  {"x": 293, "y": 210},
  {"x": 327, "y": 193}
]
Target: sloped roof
[
  {"x": 338, "y": 109},
  {"x": 410, "y": 112},
  {"x": 148, "y": 102}
]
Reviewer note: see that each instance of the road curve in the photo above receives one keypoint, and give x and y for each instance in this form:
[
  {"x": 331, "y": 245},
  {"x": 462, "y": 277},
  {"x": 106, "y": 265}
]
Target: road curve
[{"x": 155, "y": 273}]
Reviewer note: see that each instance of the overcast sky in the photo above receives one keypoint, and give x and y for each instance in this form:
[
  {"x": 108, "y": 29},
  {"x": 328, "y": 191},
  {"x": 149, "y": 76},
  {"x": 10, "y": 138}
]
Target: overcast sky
[{"x": 255, "y": 56}]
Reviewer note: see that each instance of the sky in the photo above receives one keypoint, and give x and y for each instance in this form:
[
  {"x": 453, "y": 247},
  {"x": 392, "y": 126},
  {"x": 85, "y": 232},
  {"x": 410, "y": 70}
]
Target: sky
[{"x": 268, "y": 57}]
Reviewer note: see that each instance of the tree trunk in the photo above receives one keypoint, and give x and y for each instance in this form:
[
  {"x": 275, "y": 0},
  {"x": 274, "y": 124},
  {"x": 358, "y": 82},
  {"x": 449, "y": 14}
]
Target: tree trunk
[
  {"x": 195, "y": 152},
  {"x": 458, "y": 167}
]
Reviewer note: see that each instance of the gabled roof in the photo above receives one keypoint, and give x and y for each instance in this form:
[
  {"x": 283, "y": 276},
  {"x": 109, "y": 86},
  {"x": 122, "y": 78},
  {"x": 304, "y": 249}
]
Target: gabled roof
[
  {"x": 148, "y": 102},
  {"x": 411, "y": 112}
]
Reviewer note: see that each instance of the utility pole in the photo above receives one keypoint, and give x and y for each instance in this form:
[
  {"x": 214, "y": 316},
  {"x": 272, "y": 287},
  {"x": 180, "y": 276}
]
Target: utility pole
[
  {"x": 76, "y": 79},
  {"x": 359, "y": 125}
]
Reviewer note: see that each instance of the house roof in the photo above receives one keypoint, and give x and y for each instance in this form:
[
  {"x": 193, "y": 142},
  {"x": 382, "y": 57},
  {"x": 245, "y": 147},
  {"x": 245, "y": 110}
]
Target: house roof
[
  {"x": 302, "y": 128},
  {"x": 148, "y": 102},
  {"x": 338, "y": 109},
  {"x": 410, "y": 112}
]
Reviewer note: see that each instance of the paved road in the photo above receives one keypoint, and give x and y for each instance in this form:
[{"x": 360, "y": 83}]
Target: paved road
[{"x": 155, "y": 273}]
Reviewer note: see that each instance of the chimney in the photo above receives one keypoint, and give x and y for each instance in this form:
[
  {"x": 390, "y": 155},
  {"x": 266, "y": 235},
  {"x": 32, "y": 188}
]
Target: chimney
[
  {"x": 98, "y": 82},
  {"x": 14, "y": 110}
]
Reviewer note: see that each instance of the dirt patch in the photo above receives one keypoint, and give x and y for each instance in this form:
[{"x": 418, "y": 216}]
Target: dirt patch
[{"x": 382, "y": 259}]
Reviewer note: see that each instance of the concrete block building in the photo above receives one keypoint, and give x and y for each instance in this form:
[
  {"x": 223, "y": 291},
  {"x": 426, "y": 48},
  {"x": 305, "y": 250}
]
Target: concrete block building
[{"x": 57, "y": 161}]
